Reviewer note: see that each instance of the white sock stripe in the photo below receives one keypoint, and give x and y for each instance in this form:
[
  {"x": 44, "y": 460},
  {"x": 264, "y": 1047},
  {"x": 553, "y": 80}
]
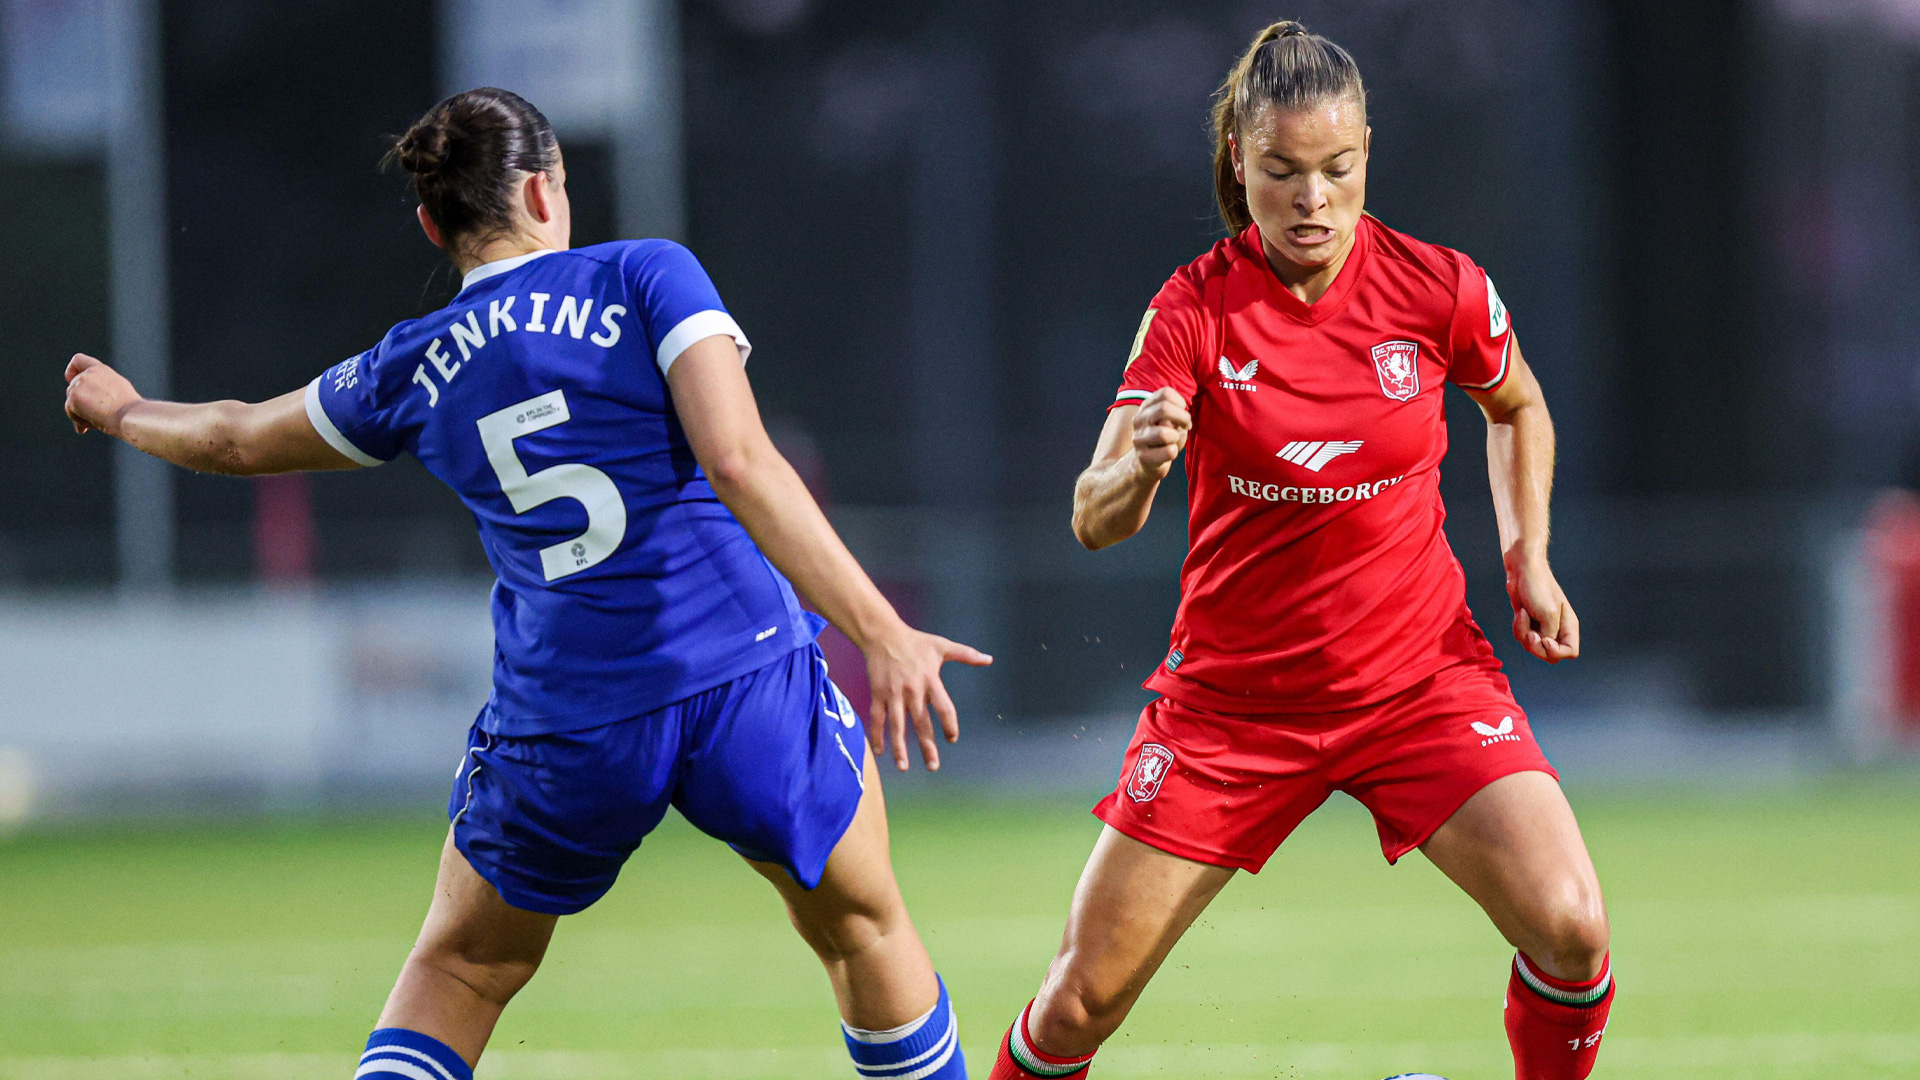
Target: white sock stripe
[
  {"x": 1023, "y": 1054},
  {"x": 949, "y": 1040},
  {"x": 393, "y": 1067},
  {"x": 945, "y": 1037},
  {"x": 391, "y": 1048},
  {"x": 862, "y": 1035},
  {"x": 1564, "y": 997}
]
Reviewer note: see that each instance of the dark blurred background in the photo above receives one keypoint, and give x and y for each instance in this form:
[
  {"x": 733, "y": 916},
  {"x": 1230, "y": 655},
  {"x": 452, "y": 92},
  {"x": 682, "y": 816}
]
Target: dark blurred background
[{"x": 940, "y": 222}]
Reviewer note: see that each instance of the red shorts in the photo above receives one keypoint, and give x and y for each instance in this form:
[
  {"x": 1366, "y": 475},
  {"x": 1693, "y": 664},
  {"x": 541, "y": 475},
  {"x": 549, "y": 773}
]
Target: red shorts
[{"x": 1226, "y": 790}]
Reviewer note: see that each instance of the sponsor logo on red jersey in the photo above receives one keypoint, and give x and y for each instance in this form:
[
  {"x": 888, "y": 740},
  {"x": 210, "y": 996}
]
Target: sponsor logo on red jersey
[
  {"x": 1398, "y": 365},
  {"x": 1149, "y": 772},
  {"x": 1313, "y": 456},
  {"x": 1238, "y": 378},
  {"x": 1503, "y": 732},
  {"x": 1254, "y": 489}
]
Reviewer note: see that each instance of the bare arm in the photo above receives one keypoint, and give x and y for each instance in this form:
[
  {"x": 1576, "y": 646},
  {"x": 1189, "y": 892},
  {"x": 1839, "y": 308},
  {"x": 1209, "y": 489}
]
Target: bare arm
[
  {"x": 1520, "y": 467},
  {"x": 1137, "y": 449},
  {"x": 717, "y": 409},
  {"x": 229, "y": 437}
]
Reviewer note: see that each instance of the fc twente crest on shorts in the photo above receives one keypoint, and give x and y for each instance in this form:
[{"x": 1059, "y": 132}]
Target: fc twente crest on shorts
[
  {"x": 1149, "y": 772},
  {"x": 1398, "y": 365}
]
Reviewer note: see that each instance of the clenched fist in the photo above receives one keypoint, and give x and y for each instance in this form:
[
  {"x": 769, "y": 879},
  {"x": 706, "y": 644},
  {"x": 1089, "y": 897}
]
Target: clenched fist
[
  {"x": 1160, "y": 431},
  {"x": 96, "y": 395}
]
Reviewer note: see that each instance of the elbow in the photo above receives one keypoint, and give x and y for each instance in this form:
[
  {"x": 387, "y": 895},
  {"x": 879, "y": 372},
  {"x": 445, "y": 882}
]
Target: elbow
[
  {"x": 1083, "y": 532},
  {"x": 1086, "y": 529},
  {"x": 730, "y": 469}
]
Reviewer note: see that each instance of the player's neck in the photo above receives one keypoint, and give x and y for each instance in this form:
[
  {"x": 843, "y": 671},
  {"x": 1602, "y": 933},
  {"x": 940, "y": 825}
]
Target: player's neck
[
  {"x": 504, "y": 247},
  {"x": 1309, "y": 283}
]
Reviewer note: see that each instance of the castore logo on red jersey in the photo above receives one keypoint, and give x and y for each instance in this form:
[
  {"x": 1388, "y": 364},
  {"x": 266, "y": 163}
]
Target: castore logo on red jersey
[{"x": 1241, "y": 378}]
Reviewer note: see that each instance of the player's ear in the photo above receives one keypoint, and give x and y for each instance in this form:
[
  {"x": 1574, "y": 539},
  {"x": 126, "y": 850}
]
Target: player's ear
[
  {"x": 538, "y": 198},
  {"x": 1366, "y": 142},
  {"x": 427, "y": 226},
  {"x": 1239, "y": 163}
]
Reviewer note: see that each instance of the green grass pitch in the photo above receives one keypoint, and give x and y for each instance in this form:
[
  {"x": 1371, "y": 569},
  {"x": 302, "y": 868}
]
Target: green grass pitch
[{"x": 1759, "y": 934}]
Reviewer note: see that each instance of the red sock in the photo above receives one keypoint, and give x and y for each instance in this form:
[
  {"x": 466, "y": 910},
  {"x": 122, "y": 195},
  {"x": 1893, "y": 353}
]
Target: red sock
[
  {"x": 1554, "y": 1026},
  {"x": 1020, "y": 1060}
]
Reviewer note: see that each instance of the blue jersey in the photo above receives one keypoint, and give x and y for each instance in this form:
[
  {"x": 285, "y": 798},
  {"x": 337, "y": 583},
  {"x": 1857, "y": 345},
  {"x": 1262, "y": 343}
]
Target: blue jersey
[{"x": 539, "y": 395}]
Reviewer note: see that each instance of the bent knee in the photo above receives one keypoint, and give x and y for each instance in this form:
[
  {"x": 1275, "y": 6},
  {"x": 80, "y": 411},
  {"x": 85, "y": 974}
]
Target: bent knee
[
  {"x": 1573, "y": 940},
  {"x": 492, "y": 979},
  {"x": 1075, "y": 1018},
  {"x": 845, "y": 935}
]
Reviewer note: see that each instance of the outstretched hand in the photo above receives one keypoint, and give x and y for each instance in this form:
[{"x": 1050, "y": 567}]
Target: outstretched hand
[
  {"x": 96, "y": 395},
  {"x": 1543, "y": 621},
  {"x": 904, "y": 670}
]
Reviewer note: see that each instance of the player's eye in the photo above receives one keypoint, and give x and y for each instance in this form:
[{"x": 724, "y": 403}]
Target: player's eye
[
  {"x": 1279, "y": 175},
  {"x": 1338, "y": 174}
]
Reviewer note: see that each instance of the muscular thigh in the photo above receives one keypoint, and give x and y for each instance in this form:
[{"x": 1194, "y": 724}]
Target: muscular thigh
[
  {"x": 858, "y": 879},
  {"x": 469, "y": 921},
  {"x": 1132, "y": 905},
  {"x": 1517, "y": 850}
]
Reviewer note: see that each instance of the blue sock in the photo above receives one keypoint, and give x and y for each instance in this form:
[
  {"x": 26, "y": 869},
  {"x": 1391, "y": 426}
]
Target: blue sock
[
  {"x": 399, "y": 1054},
  {"x": 923, "y": 1049}
]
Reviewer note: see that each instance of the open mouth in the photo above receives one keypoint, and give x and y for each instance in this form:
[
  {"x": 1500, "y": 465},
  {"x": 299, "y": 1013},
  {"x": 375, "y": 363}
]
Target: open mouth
[{"x": 1310, "y": 234}]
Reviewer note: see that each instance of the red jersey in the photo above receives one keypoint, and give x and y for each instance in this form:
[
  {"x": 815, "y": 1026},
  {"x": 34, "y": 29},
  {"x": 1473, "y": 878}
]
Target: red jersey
[{"x": 1317, "y": 575}]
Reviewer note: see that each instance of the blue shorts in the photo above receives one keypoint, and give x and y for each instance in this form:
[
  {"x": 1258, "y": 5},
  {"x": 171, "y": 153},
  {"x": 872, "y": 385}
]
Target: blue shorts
[{"x": 769, "y": 763}]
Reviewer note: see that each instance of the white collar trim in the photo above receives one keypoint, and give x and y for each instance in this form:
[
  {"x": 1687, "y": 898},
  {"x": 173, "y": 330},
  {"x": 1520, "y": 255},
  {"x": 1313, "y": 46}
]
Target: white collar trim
[{"x": 500, "y": 266}]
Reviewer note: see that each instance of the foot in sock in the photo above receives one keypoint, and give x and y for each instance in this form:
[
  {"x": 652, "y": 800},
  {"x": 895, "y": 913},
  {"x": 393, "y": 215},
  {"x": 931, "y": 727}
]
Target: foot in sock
[{"x": 1553, "y": 1025}]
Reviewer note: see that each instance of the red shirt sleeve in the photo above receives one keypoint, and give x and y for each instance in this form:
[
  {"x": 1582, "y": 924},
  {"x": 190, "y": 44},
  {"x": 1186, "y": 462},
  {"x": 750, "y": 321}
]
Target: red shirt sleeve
[
  {"x": 1170, "y": 346},
  {"x": 1482, "y": 332}
]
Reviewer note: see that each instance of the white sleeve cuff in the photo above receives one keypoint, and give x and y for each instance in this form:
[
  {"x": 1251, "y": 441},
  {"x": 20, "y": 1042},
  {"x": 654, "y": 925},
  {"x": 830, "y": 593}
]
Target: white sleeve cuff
[
  {"x": 696, "y": 327},
  {"x": 323, "y": 424}
]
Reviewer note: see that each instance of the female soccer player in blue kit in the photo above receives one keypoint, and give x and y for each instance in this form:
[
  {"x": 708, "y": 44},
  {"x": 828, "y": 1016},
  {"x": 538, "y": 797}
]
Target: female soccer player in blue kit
[{"x": 592, "y": 409}]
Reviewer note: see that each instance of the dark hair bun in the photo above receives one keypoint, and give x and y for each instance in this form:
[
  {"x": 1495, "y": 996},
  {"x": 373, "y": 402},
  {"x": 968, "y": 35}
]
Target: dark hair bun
[
  {"x": 424, "y": 148},
  {"x": 467, "y": 155}
]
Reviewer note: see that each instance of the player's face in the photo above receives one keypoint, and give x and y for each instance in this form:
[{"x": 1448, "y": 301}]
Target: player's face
[{"x": 1305, "y": 171}]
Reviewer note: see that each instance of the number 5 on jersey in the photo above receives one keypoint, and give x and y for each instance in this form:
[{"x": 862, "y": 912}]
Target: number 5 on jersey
[{"x": 593, "y": 489}]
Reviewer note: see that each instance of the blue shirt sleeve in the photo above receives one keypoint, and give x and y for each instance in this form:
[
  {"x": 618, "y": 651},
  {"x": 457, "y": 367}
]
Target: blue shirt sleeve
[
  {"x": 343, "y": 404},
  {"x": 678, "y": 303}
]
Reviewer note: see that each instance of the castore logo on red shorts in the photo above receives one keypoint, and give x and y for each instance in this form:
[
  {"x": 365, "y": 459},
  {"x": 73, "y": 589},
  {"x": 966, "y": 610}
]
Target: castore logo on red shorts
[{"x": 1149, "y": 772}]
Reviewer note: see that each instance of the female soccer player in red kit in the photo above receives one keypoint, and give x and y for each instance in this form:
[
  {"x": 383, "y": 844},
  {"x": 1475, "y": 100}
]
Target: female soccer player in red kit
[{"x": 1323, "y": 641}]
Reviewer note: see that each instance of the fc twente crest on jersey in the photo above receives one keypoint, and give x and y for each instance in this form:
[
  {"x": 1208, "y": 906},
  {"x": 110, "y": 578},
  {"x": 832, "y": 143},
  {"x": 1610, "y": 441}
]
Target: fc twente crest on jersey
[{"x": 1398, "y": 365}]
